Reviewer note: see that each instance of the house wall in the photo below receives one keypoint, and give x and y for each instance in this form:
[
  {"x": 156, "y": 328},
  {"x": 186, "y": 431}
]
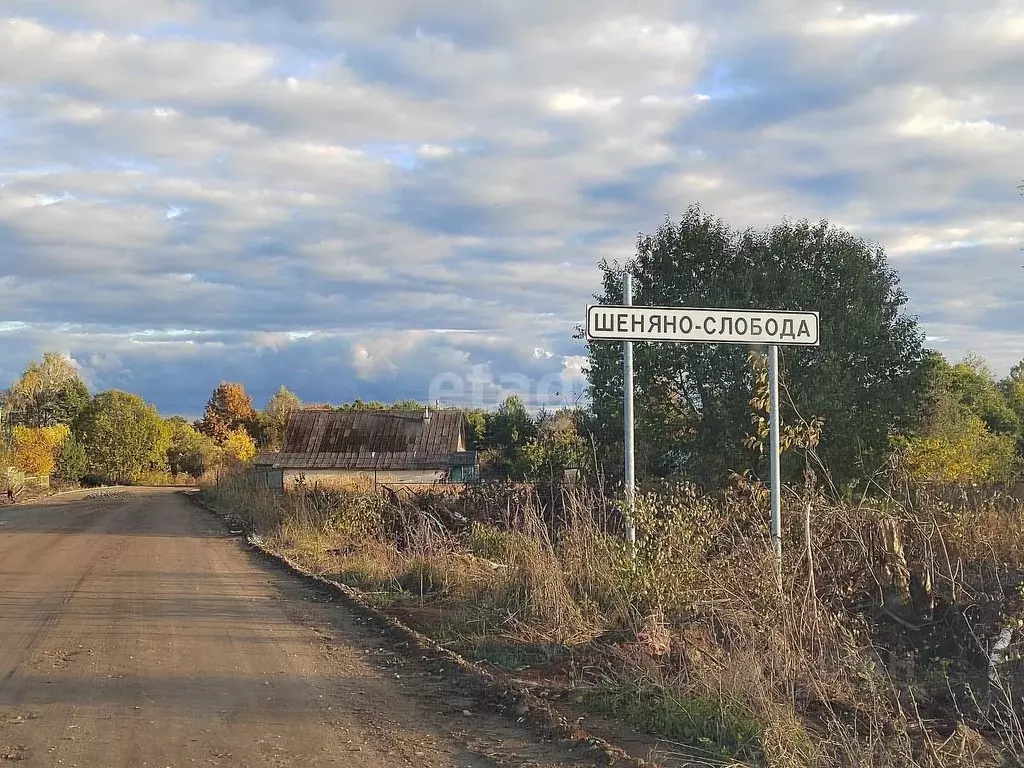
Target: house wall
[
  {"x": 464, "y": 474},
  {"x": 268, "y": 478},
  {"x": 328, "y": 477}
]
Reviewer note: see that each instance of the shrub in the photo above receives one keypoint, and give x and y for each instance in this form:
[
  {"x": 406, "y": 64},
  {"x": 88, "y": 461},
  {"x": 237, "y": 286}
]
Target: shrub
[
  {"x": 36, "y": 448},
  {"x": 240, "y": 446},
  {"x": 973, "y": 455},
  {"x": 72, "y": 461},
  {"x": 159, "y": 477}
]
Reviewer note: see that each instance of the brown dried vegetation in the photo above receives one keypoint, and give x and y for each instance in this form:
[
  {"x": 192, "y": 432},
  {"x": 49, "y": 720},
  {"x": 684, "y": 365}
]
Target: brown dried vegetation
[{"x": 879, "y": 654}]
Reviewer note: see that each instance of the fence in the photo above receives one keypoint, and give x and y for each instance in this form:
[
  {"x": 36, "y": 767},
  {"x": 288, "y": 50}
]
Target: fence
[{"x": 15, "y": 479}]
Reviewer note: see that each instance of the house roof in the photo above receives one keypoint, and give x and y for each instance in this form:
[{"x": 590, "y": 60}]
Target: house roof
[
  {"x": 380, "y": 440},
  {"x": 265, "y": 459}
]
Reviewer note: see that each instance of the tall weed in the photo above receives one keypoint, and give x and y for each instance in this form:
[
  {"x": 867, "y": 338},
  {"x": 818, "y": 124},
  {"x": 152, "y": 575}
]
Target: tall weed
[{"x": 689, "y": 629}]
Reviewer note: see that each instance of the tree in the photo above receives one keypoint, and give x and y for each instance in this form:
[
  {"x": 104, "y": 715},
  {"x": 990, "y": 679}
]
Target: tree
[
  {"x": 1012, "y": 388},
  {"x": 36, "y": 448},
  {"x": 72, "y": 463},
  {"x": 967, "y": 431},
  {"x": 407, "y": 405},
  {"x": 360, "y": 405},
  {"x": 260, "y": 429},
  {"x": 240, "y": 446},
  {"x": 476, "y": 429},
  {"x": 971, "y": 385},
  {"x": 280, "y": 407},
  {"x": 189, "y": 451},
  {"x": 509, "y": 430},
  {"x": 228, "y": 409},
  {"x": 48, "y": 393},
  {"x": 558, "y": 446},
  {"x": 123, "y": 435},
  {"x": 1017, "y": 372},
  {"x": 865, "y": 380}
]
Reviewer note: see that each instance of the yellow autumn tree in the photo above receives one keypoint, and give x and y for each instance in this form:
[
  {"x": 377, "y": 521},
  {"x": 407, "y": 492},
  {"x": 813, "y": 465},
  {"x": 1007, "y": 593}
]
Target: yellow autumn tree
[
  {"x": 972, "y": 455},
  {"x": 35, "y": 448},
  {"x": 240, "y": 446},
  {"x": 967, "y": 433}
]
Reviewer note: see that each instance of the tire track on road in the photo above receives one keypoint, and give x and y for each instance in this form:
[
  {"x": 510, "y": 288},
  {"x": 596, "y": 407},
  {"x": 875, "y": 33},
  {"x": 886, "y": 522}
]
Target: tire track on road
[
  {"x": 16, "y": 654},
  {"x": 202, "y": 656}
]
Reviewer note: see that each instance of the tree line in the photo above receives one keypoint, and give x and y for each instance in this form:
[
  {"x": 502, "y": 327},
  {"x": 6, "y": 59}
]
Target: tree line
[
  {"x": 53, "y": 428},
  {"x": 872, "y": 390}
]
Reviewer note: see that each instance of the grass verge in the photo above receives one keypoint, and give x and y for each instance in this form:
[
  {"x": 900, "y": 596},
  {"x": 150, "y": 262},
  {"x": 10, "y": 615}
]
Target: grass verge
[{"x": 688, "y": 637}]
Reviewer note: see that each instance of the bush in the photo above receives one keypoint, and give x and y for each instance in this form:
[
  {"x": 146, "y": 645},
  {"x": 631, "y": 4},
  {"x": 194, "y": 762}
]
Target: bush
[
  {"x": 72, "y": 462},
  {"x": 972, "y": 455},
  {"x": 36, "y": 449},
  {"x": 159, "y": 477}
]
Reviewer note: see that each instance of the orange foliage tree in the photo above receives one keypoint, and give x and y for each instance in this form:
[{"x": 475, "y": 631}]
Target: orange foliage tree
[{"x": 228, "y": 410}]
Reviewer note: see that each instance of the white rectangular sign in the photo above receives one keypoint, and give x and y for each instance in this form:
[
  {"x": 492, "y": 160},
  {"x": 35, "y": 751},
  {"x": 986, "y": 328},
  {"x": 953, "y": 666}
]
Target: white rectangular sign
[{"x": 708, "y": 326}]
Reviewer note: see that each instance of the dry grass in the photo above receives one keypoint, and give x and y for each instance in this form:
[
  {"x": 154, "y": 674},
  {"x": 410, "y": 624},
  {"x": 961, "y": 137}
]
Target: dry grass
[{"x": 879, "y": 661}]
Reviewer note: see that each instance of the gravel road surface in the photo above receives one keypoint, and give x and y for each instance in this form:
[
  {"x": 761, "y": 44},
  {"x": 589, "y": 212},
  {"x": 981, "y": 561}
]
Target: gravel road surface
[{"x": 135, "y": 631}]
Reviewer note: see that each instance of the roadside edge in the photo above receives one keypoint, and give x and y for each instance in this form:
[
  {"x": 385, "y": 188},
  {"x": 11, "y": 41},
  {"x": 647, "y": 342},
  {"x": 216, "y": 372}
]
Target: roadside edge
[{"x": 509, "y": 698}]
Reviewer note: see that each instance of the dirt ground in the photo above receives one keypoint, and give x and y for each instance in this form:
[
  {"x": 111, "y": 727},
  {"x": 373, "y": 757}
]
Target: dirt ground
[{"x": 135, "y": 631}]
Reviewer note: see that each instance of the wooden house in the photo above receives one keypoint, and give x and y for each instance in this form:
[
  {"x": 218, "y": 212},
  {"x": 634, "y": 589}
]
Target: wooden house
[{"x": 387, "y": 447}]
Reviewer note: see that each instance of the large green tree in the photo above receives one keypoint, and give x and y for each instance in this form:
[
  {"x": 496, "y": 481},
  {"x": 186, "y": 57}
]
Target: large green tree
[
  {"x": 971, "y": 384},
  {"x": 189, "y": 451},
  {"x": 692, "y": 400},
  {"x": 509, "y": 430},
  {"x": 122, "y": 435},
  {"x": 1013, "y": 390},
  {"x": 47, "y": 394},
  {"x": 280, "y": 407}
]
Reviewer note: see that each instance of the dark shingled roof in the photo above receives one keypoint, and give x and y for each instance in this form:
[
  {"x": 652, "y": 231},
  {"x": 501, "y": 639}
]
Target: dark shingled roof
[
  {"x": 380, "y": 440},
  {"x": 265, "y": 459}
]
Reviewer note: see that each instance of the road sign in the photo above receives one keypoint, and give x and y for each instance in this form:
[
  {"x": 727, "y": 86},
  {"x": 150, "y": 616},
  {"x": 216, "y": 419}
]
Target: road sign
[
  {"x": 707, "y": 326},
  {"x": 628, "y": 323}
]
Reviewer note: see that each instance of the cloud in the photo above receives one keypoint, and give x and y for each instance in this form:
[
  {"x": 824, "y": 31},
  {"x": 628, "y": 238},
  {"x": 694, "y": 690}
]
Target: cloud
[
  {"x": 128, "y": 66},
  {"x": 859, "y": 25},
  {"x": 379, "y": 200}
]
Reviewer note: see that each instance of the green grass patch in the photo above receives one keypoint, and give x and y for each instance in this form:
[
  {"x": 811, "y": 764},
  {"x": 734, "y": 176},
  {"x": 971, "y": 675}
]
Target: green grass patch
[
  {"x": 365, "y": 580},
  {"x": 723, "y": 728},
  {"x": 515, "y": 656},
  {"x": 490, "y": 542}
]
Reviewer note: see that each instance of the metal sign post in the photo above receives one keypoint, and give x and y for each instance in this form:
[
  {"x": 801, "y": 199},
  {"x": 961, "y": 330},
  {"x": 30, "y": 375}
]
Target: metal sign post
[
  {"x": 627, "y": 416},
  {"x": 773, "y": 438},
  {"x": 627, "y": 323}
]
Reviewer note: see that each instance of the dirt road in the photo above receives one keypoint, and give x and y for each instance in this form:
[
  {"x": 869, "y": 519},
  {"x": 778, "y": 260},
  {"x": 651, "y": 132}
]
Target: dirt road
[{"x": 134, "y": 631}]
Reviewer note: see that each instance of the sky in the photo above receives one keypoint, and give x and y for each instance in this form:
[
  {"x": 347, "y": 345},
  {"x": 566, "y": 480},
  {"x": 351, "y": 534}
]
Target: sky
[{"x": 409, "y": 198}]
